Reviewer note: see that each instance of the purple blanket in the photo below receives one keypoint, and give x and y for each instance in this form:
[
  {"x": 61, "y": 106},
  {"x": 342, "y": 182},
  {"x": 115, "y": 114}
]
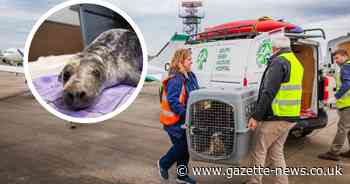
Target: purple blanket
[{"x": 51, "y": 91}]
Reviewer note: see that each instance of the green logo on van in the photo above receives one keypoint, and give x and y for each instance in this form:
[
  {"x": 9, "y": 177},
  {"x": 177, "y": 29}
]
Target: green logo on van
[
  {"x": 202, "y": 58},
  {"x": 264, "y": 52}
]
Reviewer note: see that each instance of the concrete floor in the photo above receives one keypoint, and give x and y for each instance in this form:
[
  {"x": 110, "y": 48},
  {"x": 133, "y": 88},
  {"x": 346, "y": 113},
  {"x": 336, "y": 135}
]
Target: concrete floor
[{"x": 36, "y": 147}]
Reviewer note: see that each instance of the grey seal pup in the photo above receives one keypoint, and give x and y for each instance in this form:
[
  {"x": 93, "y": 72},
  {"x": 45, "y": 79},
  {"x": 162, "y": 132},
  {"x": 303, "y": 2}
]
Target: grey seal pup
[{"x": 114, "y": 57}]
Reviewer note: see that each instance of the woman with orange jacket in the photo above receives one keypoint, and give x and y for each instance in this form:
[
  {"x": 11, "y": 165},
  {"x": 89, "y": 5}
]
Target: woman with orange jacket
[{"x": 176, "y": 89}]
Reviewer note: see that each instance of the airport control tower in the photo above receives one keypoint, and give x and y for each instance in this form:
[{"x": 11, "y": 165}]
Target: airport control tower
[{"x": 191, "y": 12}]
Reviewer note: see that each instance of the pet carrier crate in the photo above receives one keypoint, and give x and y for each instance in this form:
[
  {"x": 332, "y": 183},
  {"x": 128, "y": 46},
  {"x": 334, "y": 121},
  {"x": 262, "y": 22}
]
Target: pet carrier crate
[{"x": 217, "y": 120}]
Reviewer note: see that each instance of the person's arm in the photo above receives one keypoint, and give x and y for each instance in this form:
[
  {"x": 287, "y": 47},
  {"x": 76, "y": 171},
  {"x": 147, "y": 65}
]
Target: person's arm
[
  {"x": 195, "y": 80},
  {"x": 173, "y": 88},
  {"x": 275, "y": 75},
  {"x": 345, "y": 77}
]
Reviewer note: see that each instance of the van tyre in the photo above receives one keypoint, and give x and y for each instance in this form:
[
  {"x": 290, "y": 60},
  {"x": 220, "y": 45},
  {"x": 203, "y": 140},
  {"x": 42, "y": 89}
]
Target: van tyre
[
  {"x": 306, "y": 132},
  {"x": 299, "y": 133}
]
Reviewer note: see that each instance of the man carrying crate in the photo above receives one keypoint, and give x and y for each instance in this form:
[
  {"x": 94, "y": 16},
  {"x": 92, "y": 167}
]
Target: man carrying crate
[{"x": 278, "y": 108}]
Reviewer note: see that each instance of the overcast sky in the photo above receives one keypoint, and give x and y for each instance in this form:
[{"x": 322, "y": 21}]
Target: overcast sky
[{"x": 158, "y": 19}]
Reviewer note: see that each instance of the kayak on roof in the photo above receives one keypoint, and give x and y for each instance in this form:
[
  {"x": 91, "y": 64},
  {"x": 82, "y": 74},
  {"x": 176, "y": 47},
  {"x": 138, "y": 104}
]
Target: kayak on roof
[{"x": 263, "y": 24}]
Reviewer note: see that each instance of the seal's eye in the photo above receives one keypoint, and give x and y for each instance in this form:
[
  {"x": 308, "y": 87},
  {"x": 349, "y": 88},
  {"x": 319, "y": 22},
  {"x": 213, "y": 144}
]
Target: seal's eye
[
  {"x": 66, "y": 76},
  {"x": 96, "y": 73}
]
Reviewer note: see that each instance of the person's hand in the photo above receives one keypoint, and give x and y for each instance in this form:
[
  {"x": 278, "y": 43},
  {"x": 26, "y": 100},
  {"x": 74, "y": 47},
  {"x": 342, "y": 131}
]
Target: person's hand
[{"x": 252, "y": 123}]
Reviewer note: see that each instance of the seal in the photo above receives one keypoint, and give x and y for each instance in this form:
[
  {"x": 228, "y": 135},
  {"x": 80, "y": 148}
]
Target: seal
[{"x": 114, "y": 57}]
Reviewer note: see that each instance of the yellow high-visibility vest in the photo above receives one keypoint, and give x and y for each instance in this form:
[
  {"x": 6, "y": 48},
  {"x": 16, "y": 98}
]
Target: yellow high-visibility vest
[
  {"x": 287, "y": 102},
  {"x": 344, "y": 101}
]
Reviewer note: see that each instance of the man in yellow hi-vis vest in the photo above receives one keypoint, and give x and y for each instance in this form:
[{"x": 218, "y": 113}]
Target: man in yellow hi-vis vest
[
  {"x": 277, "y": 110},
  {"x": 341, "y": 57}
]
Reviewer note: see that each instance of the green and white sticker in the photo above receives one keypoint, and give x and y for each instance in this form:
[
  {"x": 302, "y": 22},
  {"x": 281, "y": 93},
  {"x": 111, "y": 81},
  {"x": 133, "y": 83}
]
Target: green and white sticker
[
  {"x": 264, "y": 52},
  {"x": 202, "y": 58}
]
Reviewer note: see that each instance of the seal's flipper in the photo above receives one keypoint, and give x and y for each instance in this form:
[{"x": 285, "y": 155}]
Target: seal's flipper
[{"x": 59, "y": 78}]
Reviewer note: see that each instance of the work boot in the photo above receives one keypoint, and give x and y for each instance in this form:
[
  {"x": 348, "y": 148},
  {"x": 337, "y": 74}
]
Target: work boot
[
  {"x": 329, "y": 156},
  {"x": 185, "y": 180},
  {"x": 345, "y": 154},
  {"x": 163, "y": 173}
]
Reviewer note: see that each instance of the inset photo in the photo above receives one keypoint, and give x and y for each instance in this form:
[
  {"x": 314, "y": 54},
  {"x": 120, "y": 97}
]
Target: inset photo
[{"x": 85, "y": 62}]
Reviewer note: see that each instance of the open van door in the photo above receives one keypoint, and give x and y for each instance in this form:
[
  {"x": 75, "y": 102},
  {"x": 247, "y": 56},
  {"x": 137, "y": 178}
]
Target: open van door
[
  {"x": 307, "y": 49},
  {"x": 331, "y": 67}
]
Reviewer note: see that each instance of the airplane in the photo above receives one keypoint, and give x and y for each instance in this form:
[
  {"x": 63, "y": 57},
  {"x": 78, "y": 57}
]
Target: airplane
[
  {"x": 12, "y": 56},
  {"x": 11, "y": 60},
  {"x": 157, "y": 68}
]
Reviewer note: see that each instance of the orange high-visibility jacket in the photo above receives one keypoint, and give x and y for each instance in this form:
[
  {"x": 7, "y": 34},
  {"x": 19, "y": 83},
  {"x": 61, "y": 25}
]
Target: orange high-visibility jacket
[{"x": 167, "y": 117}]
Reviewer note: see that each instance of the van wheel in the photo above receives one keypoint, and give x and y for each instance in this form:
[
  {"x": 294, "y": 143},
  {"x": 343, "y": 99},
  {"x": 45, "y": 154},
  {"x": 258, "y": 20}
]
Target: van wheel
[
  {"x": 306, "y": 132},
  {"x": 299, "y": 133}
]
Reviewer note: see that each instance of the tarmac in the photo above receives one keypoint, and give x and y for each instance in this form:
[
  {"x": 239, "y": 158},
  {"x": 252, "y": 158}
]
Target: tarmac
[{"x": 37, "y": 147}]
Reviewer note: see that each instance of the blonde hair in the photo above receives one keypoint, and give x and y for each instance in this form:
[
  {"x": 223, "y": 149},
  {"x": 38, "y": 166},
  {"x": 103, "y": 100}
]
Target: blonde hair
[{"x": 176, "y": 64}]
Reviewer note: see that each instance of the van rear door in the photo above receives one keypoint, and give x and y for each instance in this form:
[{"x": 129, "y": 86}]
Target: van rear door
[{"x": 308, "y": 52}]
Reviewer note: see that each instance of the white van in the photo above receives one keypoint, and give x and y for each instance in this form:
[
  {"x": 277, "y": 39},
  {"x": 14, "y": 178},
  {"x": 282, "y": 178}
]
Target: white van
[{"x": 243, "y": 65}]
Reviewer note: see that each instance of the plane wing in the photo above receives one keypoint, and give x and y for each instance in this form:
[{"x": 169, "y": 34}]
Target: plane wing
[
  {"x": 158, "y": 63},
  {"x": 155, "y": 73},
  {"x": 11, "y": 69}
]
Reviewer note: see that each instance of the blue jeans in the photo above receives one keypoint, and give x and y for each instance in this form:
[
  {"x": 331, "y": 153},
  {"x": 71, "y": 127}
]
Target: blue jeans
[{"x": 177, "y": 153}]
